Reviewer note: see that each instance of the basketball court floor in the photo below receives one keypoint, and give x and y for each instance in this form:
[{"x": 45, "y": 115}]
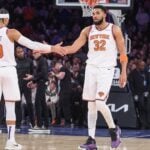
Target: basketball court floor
[{"x": 58, "y": 138}]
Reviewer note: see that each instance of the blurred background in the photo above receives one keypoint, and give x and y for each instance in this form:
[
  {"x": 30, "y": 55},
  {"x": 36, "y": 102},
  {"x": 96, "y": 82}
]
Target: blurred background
[{"x": 61, "y": 104}]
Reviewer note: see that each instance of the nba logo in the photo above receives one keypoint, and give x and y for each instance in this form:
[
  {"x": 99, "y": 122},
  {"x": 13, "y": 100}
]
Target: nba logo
[{"x": 0, "y": 38}]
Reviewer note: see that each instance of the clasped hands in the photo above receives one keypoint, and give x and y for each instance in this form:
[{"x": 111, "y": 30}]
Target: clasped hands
[{"x": 58, "y": 48}]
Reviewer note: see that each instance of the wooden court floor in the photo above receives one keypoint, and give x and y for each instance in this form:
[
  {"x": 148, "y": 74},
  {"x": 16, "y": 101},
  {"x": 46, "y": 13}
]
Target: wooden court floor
[{"x": 57, "y": 142}]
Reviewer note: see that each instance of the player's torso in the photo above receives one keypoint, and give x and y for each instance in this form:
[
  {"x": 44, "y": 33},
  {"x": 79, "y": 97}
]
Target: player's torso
[
  {"x": 7, "y": 57},
  {"x": 102, "y": 47}
]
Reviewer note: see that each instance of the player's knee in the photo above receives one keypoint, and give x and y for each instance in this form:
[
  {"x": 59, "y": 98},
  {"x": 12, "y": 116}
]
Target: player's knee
[
  {"x": 100, "y": 104},
  {"x": 101, "y": 96},
  {"x": 92, "y": 107}
]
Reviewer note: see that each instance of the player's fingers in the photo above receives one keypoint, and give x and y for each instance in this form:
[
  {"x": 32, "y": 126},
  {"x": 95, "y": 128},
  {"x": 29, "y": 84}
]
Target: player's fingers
[
  {"x": 122, "y": 82},
  {"x": 45, "y": 42},
  {"x": 64, "y": 50},
  {"x": 61, "y": 53},
  {"x": 60, "y": 43}
]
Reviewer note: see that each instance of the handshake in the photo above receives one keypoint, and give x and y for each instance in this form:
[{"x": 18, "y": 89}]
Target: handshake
[
  {"x": 59, "y": 49},
  {"x": 55, "y": 49}
]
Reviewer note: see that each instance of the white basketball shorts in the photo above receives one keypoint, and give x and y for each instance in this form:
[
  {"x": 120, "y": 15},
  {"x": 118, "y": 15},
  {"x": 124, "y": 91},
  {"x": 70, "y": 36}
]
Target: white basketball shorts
[
  {"x": 97, "y": 83},
  {"x": 9, "y": 84}
]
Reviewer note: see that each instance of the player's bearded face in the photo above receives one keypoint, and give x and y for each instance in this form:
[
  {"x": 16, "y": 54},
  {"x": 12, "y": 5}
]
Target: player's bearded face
[{"x": 98, "y": 22}]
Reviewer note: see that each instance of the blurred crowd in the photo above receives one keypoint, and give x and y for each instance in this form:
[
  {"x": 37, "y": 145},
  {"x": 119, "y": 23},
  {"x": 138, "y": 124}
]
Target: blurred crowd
[{"x": 51, "y": 86}]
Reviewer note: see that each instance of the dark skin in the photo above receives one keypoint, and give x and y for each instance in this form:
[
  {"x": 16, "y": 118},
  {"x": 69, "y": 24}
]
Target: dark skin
[{"x": 98, "y": 15}]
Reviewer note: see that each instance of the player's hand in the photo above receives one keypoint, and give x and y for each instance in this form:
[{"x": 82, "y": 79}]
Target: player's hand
[
  {"x": 54, "y": 49},
  {"x": 28, "y": 77},
  {"x": 58, "y": 49},
  {"x": 123, "y": 79}
]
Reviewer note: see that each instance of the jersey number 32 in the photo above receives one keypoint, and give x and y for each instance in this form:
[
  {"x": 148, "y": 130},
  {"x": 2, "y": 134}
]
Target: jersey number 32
[{"x": 99, "y": 45}]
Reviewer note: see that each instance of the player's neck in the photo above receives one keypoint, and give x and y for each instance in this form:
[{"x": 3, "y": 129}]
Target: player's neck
[{"x": 102, "y": 26}]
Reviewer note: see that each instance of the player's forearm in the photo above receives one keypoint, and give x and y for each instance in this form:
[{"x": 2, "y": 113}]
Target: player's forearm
[
  {"x": 70, "y": 49},
  {"x": 123, "y": 67},
  {"x": 123, "y": 60},
  {"x": 75, "y": 46},
  {"x": 35, "y": 45}
]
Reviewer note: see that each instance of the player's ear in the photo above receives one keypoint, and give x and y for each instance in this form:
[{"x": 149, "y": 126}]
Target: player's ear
[
  {"x": 6, "y": 21},
  {"x": 105, "y": 15}
]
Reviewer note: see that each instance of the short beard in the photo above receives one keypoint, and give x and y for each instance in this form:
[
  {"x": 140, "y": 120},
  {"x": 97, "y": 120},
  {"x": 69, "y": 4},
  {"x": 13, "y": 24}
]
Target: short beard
[{"x": 99, "y": 22}]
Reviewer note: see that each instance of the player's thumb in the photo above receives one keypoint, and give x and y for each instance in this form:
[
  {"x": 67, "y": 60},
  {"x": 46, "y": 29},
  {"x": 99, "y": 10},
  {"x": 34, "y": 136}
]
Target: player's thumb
[
  {"x": 44, "y": 42},
  {"x": 60, "y": 43}
]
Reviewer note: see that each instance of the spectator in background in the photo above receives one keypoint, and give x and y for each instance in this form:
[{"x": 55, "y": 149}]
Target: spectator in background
[
  {"x": 139, "y": 84},
  {"x": 142, "y": 19},
  {"x": 40, "y": 78},
  {"x": 51, "y": 99},
  {"x": 64, "y": 105},
  {"x": 2, "y": 111},
  {"x": 43, "y": 12},
  {"x": 24, "y": 67},
  {"x": 131, "y": 66},
  {"x": 147, "y": 5},
  {"x": 77, "y": 103},
  {"x": 77, "y": 77},
  {"x": 28, "y": 12},
  {"x": 27, "y": 29}
]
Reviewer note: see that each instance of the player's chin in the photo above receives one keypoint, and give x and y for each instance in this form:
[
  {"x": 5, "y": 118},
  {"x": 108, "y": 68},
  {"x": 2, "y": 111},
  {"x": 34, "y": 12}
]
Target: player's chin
[{"x": 95, "y": 21}]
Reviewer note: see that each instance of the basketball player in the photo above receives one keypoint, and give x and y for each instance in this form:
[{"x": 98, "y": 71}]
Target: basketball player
[
  {"x": 8, "y": 75},
  {"x": 105, "y": 40}
]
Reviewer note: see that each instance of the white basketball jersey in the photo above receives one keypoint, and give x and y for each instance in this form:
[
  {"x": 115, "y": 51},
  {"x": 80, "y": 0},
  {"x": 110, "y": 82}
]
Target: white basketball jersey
[
  {"x": 7, "y": 57},
  {"x": 102, "y": 47}
]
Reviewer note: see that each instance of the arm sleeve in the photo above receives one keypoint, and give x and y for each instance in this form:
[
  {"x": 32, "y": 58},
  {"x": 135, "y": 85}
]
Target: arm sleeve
[{"x": 34, "y": 45}]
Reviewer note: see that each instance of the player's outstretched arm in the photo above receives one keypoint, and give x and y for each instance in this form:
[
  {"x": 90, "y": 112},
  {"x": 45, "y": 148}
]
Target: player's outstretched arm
[
  {"x": 78, "y": 43},
  {"x": 15, "y": 35},
  {"x": 123, "y": 56}
]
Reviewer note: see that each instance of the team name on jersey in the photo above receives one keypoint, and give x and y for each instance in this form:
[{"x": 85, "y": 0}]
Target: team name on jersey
[{"x": 99, "y": 36}]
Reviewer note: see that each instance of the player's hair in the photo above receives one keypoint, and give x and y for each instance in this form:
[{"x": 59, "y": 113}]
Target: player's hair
[
  {"x": 4, "y": 11},
  {"x": 101, "y": 7}
]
